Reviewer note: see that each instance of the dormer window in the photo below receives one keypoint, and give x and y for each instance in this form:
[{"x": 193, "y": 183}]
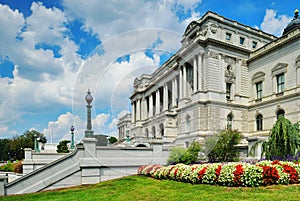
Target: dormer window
[
  {"x": 254, "y": 44},
  {"x": 228, "y": 36},
  {"x": 242, "y": 40}
]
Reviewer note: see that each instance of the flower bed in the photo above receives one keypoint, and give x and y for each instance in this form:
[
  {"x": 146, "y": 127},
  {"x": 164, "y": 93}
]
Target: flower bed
[{"x": 229, "y": 174}]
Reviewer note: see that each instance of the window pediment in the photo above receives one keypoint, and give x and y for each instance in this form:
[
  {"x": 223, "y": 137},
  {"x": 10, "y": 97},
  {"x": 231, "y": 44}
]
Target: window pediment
[
  {"x": 279, "y": 68},
  {"x": 258, "y": 77},
  {"x": 190, "y": 27}
]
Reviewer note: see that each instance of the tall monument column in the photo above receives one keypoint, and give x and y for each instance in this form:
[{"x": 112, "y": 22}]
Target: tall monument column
[{"x": 89, "y": 132}]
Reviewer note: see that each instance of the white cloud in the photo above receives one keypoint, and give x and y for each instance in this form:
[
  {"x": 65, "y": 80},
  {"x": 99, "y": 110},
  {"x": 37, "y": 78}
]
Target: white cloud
[
  {"x": 274, "y": 24},
  {"x": 44, "y": 83},
  {"x": 108, "y": 18}
]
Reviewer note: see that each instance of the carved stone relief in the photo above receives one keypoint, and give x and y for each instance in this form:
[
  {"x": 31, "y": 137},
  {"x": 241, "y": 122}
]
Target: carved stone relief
[
  {"x": 213, "y": 28},
  {"x": 213, "y": 55}
]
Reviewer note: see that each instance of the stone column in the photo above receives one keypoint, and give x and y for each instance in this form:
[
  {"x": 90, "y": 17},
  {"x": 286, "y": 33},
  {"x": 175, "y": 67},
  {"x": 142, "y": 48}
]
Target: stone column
[
  {"x": 200, "y": 74},
  {"x": 238, "y": 76},
  {"x": 157, "y": 109},
  {"x": 173, "y": 92},
  {"x": 165, "y": 104},
  {"x": 176, "y": 90},
  {"x": 133, "y": 112},
  {"x": 180, "y": 82},
  {"x": 144, "y": 109},
  {"x": 150, "y": 105},
  {"x": 184, "y": 80},
  {"x": 195, "y": 69},
  {"x": 138, "y": 109}
]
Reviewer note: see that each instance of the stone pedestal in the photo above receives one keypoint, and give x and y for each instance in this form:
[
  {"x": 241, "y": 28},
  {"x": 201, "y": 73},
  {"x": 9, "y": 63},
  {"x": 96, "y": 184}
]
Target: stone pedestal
[
  {"x": 90, "y": 166},
  {"x": 3, "y": 181}
]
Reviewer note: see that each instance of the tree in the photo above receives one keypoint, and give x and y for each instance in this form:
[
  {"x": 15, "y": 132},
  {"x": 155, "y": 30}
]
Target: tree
[
  {"x": 16, "y": 145},
  {"x": 112, "y": 140},
  {"x": 4, "y": 144},
  {"x": 62, "y": 147},
  {"x": 284, "y": 140},
  {"x": 225, "y": 149}
]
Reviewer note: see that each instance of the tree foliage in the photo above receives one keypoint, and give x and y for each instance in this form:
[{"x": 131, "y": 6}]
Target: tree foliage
[
  {"x": 62, "y": 147},
  {"x": 284, "y": 140},
  {"x": 183, "y": 155},
  {"x": 14, "y": 148},
  {"x": 112, "y": 140},
  {"x": 225, "y": 149}
]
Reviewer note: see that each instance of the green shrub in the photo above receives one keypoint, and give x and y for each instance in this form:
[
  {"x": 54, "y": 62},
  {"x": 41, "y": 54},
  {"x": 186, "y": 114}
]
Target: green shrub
[
  {"x": 225, "y": 149},
  {"x": 9, "y": 167},
  {"x": 62, "y": 147},
  {"x": 186, "y": 156},
  {"x": 175, "y": 155}
]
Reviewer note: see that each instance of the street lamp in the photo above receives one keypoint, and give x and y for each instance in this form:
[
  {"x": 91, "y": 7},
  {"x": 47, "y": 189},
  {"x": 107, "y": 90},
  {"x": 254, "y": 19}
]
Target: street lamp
[
  {"x": 72, "y": 137},
  {"x": 36, "y": 145}
]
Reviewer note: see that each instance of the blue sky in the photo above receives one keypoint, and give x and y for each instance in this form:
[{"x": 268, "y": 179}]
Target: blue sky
[{"x": 52, "y": 51}]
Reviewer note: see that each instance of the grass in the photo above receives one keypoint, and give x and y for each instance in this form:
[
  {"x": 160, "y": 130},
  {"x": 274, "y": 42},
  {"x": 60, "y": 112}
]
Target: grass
[{"x": 144, "y": 188}]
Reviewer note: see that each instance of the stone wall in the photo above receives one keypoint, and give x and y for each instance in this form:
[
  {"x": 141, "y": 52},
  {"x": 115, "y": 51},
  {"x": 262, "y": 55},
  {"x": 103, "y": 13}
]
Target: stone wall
[{"x": 87, "y": 164}]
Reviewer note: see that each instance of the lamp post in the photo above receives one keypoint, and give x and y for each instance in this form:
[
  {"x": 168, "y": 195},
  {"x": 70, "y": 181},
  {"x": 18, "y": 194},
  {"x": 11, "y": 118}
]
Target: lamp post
[
  {"x": 89, "y": 132},
  {"x": 36, "y": 145},
  {"x": 72, "y": 137}
]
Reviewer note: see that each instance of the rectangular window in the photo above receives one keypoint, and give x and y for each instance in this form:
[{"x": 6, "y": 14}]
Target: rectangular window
[
  {"x": 228, "y": 36},
  {"x": 254, "y": 44},
  {"x": 259, "y": 90},
  {"x": 228, "y": 91},
  {"x": 242, "y": 41},
  {"x": 280, "y": 83}
]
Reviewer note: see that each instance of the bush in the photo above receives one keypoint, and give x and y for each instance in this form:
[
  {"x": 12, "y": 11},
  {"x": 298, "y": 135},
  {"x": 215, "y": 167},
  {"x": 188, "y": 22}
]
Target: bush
[
  {"x": 176, "y": 154},
  {"x": 7, "y": 167},
  {"x": 225, "y": 149},
  {"x": 12, "y": 167},
  {"x": 18, "y": 167},
  {"x": 62, "y": 147},
  {"x": 185, "y": 156}
]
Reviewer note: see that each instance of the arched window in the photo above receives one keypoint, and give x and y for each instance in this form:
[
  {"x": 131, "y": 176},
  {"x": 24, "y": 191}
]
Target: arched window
[
  {"x": 162, "y": 130},
  {"x": 259, "y": 122},
  {"x": 188, "y": 122},
  {"x": 153, "y": 132},
  {"x": 229, "y": 121},
  {"x": 280, "y": 112}
]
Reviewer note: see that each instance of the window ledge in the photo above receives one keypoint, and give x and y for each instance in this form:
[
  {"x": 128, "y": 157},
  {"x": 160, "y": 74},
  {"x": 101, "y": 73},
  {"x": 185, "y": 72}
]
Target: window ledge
[
  {"x": 258, "y": 100},
  {"x": 279, "y": 94}
]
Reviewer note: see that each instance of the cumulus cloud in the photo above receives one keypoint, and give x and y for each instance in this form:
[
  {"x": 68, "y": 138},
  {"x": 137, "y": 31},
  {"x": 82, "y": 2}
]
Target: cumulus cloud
[
  {"x": 273, "y": 23},
  {"x": 109, "y": 18},
  {"x": 43, "y": 82}
]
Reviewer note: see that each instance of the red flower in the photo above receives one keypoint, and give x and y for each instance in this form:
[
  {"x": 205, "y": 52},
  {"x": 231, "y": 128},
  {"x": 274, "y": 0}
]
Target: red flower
[
  {"x": 218, "y": 171},
  {"x": 201, "y": 173},
  {"x": 175, "y": 172},
  {"x": 276, "y": 162},
  {"x": 292, "y": 172},
  {"x": 270, "y": 175},
  {"x": 238, "y": 174}
]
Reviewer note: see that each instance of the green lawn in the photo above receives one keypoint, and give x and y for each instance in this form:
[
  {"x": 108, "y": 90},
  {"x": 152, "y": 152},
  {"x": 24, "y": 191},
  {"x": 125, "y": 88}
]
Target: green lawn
[{"x": 144, "y": 188}]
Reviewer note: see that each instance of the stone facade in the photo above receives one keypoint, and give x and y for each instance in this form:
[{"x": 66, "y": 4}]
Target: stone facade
[{"x": 226, "y": 74}]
